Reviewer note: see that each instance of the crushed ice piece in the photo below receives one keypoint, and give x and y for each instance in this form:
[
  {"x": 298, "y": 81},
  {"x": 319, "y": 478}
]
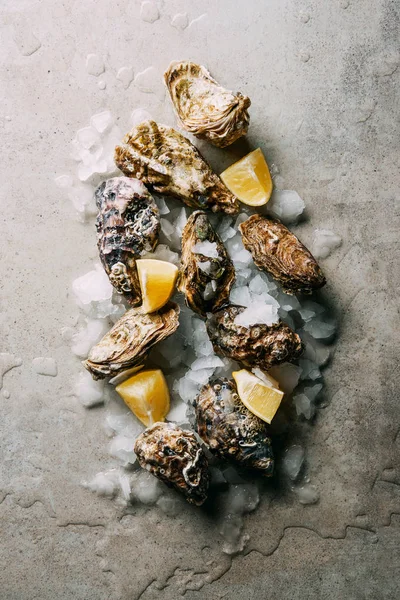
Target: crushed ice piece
[
  {"x": 45, "y": 366},
  {"x": 206, "y": 248},
  {"x": 287, "y": 375},
  {"x": 240, "y": 499},
  {"x": 170, "y": 505},
  {"x": 89, "y": 392},
  {"x": 88, "y": 336},
  {"x": 205, "y": 267},
  {"x": 121, "y": 447},
  {"x": 325, "y": 242},
  {"x": 162, "y": 252},
  {"x": 240, "y": 295},
  {"x": 201, "y": 341},
  {"x": 287, "y": 302},
  {"x": 207, "y": 362},
  {"x": 104, "y": 483},
  {"x": 81, "y": 197},
  {"x": 293, "y": 459},
  {"x": 186, "y": 389},
  {"x": 64, "y": 181},
  {"x": 177, "y": 413},
  {"x": 162, "y": 205},
  {"x": 303, "y": 406},
  {"x": 200, "y": 376},
  {"x": 7, "y": 362},
  {"x": 257, "y": 313},
  {"x": 286, "y": 205},
  {"x": 306, "y": 314},
  {"x": 167, "y": 228},
  {"x": 315, "y": 351},
  {"x": 241, "y": 218},
  {"x": 224, "y": 230},
  {"x": 93, "y": 292},
  {"x": 149, "y": 12},
  {"x": 94, "y": 65},
  {"x": 88, "y": 138},
  {"x": 319, "y": 328},
  {"x": 312, "y": 391},
  {"x": 309, "y": 369},
  {"x": 125, "y": 76},
  {"x": 102, "y": 121},
  {"x": 307, "y": 494},
  {"x": 261, "y": 375},
  {"x": 209, "y": 290},
  {"x": 180, "y": 21},
  {"x": 258, "y": 286},
  {"x": 146, "y": 488}
]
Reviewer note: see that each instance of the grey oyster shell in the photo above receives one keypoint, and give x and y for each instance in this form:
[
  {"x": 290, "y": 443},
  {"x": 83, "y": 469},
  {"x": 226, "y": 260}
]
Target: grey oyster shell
[
  {"x": 128, "y": 343},
  {"x": 169, "y": 163},
  {"x": 175, "y": 457},
  {"x": 230, "y": 430},
  {"x": 203, "y": 107},
  {"x": 277, "y": 251},
  {"x": 262, "y": 346},
  {"x": 128, "y": 224},
  {"x": 205, "y": 281}
]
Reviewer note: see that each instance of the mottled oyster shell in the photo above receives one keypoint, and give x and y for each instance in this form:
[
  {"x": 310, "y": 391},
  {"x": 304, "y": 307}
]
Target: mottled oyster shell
[
  {"x": 129, "y": 341},
  {"x": 165, "y": 160},
  {"x": 262, "y": 346},
  {"x": 205, "y": 281},
  {"x": 203, "y": 107},
  {"x": 278, "y": 252},
  {"x": 128, "y": 224},
  {"x": 175, "y": 457},
  {"x": 230, "y": 430}
]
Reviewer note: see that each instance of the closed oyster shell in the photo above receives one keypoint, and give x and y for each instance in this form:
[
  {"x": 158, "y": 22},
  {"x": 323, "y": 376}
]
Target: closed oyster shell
[
  {"x": 230, "y": 430},
  {"x": 205, "y": 281},
  {"x": 127, "y": 344},
  {"x": 128, "y": 224},
  {"x": 262, "y": 346},
  {"x": 165, "y": 160},
  {"x": 278, "y": 252},
  {"x": 203, "y": 107},
  {"x": 175, "y": 457}
]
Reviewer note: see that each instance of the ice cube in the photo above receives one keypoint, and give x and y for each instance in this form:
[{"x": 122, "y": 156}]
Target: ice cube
[
  {"x": 207, "y": 362},
  {"x": 93, "y": 292},
  {"x": 287, "y": 375},
  {"x": 257, "y": 313},
  {"x": 88, "y": 336},
  {"x": 162, "y": 205},
  {"x": 177, "y": 413},
  {"x": 88, "y": 137},
  {"x": 187, "y": 389},
  {"x": 102, "y": 121},
  {"x": 241, "y": 218},
  {"x": 89, "y": 392},
  {"x": 325, "y": 242},
  {"x": 146, "y": 488},
  {"x": 104, "y": 483},
  {"x": 315, "y": 351},
  {"x": 209, "y": 290},
  {"x": 258, "y": 286},
  {"x": 320, "y": 328},
  {"x": 240, "y": 295},
  {"x": 139, "y": 115},
  {"x": 286, "y": 205},
  {"x": 309, "y": 369},
  {"x": 199, "y": 376},
  {"x": 303, "y": 406},
  {"x": 121, "y": 447},
  {"x": 307, "y": 494},
  {"x": 167, "y": 228},
  {"x": 206, "y": 248},
  {"x": 293, "y": 459}
]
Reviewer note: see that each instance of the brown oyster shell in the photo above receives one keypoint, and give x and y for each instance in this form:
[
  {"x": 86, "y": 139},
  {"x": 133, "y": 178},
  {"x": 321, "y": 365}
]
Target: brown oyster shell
[
  {"x": 205, "y": 108},
  {"x": 165, "y": 160},
  {"x": 194, "y": 282},
  {"x": 175, "y": 457},
  {"x": 128, "y": 224},
  {"x": 129, "y": 341},
  {"x": 278, "y": 252},
  {"x": 230, "y": 430},
  {"x": 262, "y": 346}
]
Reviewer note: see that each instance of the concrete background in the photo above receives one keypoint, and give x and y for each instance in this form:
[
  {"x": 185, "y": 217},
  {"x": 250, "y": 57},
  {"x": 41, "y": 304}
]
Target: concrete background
[{"x": 323, "y": 78}]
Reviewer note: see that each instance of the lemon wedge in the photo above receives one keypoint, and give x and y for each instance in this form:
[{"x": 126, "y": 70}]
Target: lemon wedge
[
  {"x": 249, "y": 179},
  {"x": 261, "y": 398},
  {"x": 157, "y": 280},
  {"x": 147, "y": 395}
]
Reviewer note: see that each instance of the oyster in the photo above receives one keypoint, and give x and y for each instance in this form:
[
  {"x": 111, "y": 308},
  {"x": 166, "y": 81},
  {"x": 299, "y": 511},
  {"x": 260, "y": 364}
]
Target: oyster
[
  {"x": 204, "y": 108},
  {"x": 262, "y": 346},
  {"x": 230, "y": 430},
  {"x": 175, "y": 457},
  {"x": 207, "y": 273},
  {"x": 128, "y": 224},
  {"x": 278, "y": 252},
  {"x": 127, "y": 344},
  {"x": 165, "y": 160}
]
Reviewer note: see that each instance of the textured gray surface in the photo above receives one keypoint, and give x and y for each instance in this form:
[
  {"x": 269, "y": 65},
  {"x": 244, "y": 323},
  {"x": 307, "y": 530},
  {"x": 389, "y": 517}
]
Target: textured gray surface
[{"x": 323, "y": 79}]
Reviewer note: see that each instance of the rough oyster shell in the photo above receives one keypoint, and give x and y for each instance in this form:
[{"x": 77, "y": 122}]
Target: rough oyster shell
[
  {"x": 278, "y": 252},
  {"x": 175, "y": 457},
  {"x": 205, "y": 281},
  {"x": 204, "y": 108},
  {"x": 129, "y": 341},
  {"x": 230, "y": 430},
  {"x": 262, "y": 346},
  {"x": 165, "y": 160},
  {"x": 128, "y": 224}
]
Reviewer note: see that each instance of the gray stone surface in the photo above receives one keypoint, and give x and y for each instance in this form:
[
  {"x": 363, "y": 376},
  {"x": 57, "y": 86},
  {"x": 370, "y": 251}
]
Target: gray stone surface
[{"x": 324, "y": 80}]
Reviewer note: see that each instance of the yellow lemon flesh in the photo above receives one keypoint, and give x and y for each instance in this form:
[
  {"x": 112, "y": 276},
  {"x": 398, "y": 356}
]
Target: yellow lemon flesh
[
  {"x": 249, "y": 179},
  {"x": 157, "y": 280},
  {"x": 147, "y": 395},
  {"x": 261, "y": 398}
]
